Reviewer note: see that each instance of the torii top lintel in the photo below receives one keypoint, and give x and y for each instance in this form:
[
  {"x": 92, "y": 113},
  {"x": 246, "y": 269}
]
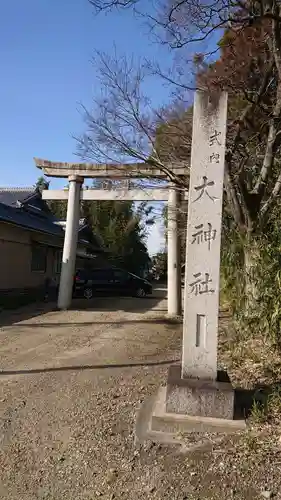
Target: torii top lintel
[{"x": 103, "y": 170}]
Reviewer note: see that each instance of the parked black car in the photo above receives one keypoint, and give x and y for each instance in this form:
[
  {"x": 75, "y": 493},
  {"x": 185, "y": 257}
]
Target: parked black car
[{"x": 111, "y": 281}]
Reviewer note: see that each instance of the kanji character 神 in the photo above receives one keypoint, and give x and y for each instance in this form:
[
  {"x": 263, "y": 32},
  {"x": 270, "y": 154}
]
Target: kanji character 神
[{"x": 207, "y": 235}]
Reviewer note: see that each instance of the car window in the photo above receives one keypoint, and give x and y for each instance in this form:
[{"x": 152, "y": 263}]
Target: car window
[
  {"x": 121, "y": 275},
  {"x": 101, "y": 275},
  {"x": 134, "y": 275}
]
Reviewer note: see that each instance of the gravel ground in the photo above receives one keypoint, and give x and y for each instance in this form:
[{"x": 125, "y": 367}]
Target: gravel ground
[
  {"x": 68, "y": 401},
  {"x": 68, "y": 398}
]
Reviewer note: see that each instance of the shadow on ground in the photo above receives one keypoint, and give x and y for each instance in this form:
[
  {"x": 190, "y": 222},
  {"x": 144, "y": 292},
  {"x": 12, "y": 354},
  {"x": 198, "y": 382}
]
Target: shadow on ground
[
  {"x": 245, "y": 399},
  {"x": 151, "y": 321},
  {"x": 158, "y": 320},
  {"x": 84, "y": 367},
  {"x": 126, "y": 304},
  {"x": 98, "y": 303},
  {"x": 24, "y": 313}
]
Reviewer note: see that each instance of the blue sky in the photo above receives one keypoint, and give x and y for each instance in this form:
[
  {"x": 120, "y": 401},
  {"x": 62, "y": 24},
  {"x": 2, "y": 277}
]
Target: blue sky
[
  {"x": 46, "y": 47},
  {"x": 46, "y": 71}
]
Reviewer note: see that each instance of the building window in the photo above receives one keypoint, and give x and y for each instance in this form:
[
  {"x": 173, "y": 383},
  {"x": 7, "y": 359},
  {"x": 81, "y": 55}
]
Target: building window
[
  {"x": 38, "y": 258},
  {"x": 57, "y": 261}
]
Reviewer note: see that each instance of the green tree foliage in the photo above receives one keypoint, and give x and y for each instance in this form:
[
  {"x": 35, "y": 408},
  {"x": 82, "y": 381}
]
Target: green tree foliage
[
  {"x": 57, "y": 207},
  {"x": 248, "y": 68},
  {"x": 120, "y": 225},
  {"x": 160, "y": 263},
  {"x": 42, "y": 184},
  {"x": 121, "y": 230},
  {"x": 263, "y": 315}
]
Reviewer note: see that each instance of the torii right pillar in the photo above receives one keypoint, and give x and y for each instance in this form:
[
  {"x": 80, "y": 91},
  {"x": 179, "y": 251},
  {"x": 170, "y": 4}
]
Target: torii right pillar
[{"x": 174, "y": 267}]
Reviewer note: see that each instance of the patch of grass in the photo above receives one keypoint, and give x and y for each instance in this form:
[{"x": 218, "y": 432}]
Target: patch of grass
[
  {"x": 250, "y": 361},
  {"x": 250, "y": 442},
  {"x": 244, "y": 464},
  {"x": 274, "y": 406},
  {"x": 258, "y": 412},
  {"x": 268, "y": 409}
]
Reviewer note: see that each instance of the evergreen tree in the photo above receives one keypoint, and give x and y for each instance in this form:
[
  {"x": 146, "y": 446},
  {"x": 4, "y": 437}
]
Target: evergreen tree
[
  {"x": 42, "y": 184},
  {"x": 119, "y": 224}
]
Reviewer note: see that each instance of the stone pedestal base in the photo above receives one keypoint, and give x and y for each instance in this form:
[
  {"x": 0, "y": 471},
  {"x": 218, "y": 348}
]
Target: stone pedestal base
[
  {"x": 184, "y": 407},
  {"x": 200, "y": 398},
  {"x": 175, "y": 424}
]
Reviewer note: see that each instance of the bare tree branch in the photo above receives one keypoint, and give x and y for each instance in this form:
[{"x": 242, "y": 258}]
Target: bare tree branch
[
  {"x": 123, "y": 123},
  {"x": 104, "y": 5}
]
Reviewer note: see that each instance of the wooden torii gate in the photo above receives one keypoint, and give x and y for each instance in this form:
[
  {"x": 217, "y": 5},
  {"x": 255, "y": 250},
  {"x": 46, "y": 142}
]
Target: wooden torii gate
[{"x": 76, "y": 173}]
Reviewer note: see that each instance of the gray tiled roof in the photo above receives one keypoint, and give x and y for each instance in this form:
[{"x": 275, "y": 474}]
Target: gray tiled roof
[
  {"x": 16, "y": 209},
  {"x": 21, "y": 217},
  {"x": 11, "y": 196}
]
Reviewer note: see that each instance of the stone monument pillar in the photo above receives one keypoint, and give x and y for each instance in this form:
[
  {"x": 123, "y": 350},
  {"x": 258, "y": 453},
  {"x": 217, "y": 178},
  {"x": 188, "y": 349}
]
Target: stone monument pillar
[
  {"x": 202, "y": 279},
  {"x": 70, "y": 242},
  {"x": 197, "y": 396},
  {"x": 194, "y": 388}
]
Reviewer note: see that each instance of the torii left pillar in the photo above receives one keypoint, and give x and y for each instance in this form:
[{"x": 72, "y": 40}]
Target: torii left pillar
[{"x": 70, "y": 242}]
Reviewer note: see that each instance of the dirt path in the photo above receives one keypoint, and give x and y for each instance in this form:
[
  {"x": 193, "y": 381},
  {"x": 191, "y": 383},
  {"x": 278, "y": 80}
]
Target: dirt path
[
  {"x": 68, "y": 396},
  {"x": 70, "y": 385}
]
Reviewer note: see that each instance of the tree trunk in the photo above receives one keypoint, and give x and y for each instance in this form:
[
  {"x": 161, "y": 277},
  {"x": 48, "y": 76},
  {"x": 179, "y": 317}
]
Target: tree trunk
[{"x": 251, "y": 261}]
